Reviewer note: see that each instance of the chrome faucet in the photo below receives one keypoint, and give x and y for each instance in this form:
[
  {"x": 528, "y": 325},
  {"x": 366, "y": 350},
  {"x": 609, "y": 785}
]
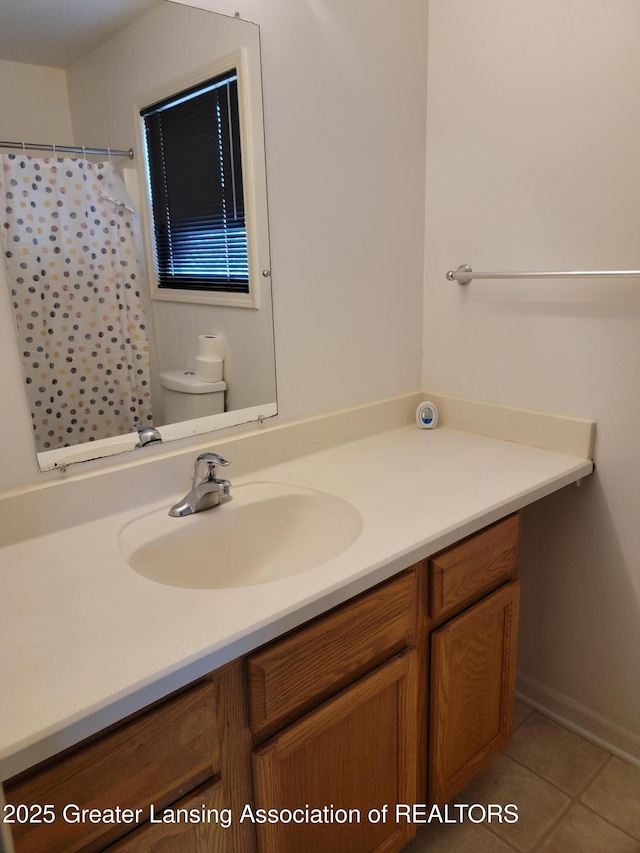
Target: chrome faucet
[
  {"x": 147, "y": 435},
  {"x": 207, "y": 490}
]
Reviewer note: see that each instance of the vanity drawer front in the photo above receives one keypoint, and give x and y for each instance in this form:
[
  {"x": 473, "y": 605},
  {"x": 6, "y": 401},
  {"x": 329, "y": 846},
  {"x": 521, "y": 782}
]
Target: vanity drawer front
[
  {"x": 294, "y": 674},
  {"x": 156, "y": 757},
  {"x": 460, "y": 575},
  {"x": 186, "y": 832}
]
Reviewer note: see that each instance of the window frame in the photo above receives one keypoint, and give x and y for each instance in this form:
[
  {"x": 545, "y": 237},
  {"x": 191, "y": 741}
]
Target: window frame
[{"x": 236, "y": 60}]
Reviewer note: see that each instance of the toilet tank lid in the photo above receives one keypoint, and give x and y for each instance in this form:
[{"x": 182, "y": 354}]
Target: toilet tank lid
[{"x": 187, "y": 382}]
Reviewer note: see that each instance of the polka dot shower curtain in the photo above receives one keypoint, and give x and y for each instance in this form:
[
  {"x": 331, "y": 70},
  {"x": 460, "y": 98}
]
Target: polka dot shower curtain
[{"x": 75, "y": 285}]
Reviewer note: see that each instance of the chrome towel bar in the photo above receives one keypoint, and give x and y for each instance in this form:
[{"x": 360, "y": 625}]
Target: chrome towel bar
[{"x": 464, "y": 274}]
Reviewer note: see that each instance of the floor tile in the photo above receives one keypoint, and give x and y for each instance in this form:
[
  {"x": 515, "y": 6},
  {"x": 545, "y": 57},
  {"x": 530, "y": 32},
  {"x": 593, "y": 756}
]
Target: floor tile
[
  {"x": 582, "y": 831},
  {"x": 539, "y": 803},
  {"x": 556, "y": 754},
  {"x": 521, "y": 713},
  {"x": 456, "y": 838},
  {"x": 615, "y": 794}
]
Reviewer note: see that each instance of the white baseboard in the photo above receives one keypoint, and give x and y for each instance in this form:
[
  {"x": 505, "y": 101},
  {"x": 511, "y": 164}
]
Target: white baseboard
[{"x": 579, "y": 719}]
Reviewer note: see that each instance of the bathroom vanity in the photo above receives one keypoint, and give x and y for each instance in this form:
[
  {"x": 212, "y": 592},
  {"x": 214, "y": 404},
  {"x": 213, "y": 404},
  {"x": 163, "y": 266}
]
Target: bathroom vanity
[
  {"x": 333, "y": 714},
  {"x": 383, "y": 677}
]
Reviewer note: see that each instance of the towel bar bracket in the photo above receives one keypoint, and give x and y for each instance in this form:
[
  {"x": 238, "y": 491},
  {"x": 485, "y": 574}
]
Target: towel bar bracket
[{"x": 454, "y": 276}]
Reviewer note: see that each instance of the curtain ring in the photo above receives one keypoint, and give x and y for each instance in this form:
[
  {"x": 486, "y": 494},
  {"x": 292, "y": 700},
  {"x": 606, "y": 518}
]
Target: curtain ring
[
  {"x": 54, "y": 150},
  {"x": 84, "y": 153},
  {"x": 109, "y": 153},
  {"x": 24, "y": 147}
]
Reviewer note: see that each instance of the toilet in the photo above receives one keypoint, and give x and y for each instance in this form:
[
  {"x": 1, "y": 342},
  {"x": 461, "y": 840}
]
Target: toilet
[{"x": 185, "y": 397}]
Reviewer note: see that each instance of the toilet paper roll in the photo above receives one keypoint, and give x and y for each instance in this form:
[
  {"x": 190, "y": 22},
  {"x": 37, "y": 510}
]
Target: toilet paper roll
[
  {"x": 211, "y": 346},
  {"x": 209, "y": 369}
]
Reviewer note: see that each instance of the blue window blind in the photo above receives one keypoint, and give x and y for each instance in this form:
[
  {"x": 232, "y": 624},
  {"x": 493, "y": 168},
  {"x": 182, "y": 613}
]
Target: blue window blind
[{"x": 197, "y": 197}]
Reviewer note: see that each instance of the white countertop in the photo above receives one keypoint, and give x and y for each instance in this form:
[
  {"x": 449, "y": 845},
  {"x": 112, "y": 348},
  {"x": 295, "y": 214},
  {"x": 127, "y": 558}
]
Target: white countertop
[{"x": 85, "y": 641}]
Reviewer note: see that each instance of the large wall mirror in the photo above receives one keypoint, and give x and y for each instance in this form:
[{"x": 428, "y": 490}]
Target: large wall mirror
[{"x": 103, "y": 347}]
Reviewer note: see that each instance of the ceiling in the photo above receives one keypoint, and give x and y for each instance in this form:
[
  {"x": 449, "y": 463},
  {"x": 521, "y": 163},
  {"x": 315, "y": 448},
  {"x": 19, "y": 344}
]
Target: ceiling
[{"x": 59, "y": 32}]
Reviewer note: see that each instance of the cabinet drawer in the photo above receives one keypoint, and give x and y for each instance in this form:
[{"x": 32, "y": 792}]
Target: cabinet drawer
[
  {"x": 292, "y": 675},
  {"x": 187, "y": 833},
  {"x": 462, "y": 574},
  {"x": 156, "y": 757}
]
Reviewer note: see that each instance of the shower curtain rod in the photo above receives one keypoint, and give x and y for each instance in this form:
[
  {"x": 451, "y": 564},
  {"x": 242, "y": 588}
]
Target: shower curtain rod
[
  {"x": 464, "y": 274},
  {"x": 68, "y": 149}
]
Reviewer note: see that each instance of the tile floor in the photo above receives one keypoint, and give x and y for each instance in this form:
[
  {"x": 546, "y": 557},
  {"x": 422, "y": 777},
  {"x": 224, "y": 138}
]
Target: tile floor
[{"x": 572, "y": 797}]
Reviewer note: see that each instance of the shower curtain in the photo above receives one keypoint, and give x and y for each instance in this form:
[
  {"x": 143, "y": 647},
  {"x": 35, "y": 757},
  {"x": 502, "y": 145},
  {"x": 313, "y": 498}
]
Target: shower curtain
[{"x": 75, "y": 285}]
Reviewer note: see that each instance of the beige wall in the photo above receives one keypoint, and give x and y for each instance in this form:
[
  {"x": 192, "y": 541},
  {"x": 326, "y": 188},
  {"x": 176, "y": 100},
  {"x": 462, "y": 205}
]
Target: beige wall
[
  {"x": 533, "y": 136},
  {"x": 34, "y": 105}
]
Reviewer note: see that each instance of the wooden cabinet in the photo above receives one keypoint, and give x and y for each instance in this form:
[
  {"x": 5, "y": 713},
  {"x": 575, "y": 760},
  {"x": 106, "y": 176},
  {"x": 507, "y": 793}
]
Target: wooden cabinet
[
  {"x": 190, "y": 752},
  {"x": 180, "y": 836},
  {"x": 296, "y": 673},
  {"x": 354, "y": 744},
  {"x": 401, "y": 695},
  {"x": 353, "y": 754},
  {"x": 473, "y": 656},
  {"x": 148, "y": 762},
  {"x": 473, "y": 661},
  {"x": 470, "y": 569}
]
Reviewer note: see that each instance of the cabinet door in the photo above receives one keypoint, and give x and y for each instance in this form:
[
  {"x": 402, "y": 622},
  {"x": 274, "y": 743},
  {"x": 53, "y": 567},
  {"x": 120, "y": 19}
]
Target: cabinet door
[
  {"x": 473, "y": 670},
  {"x": 356, "y": 752}
]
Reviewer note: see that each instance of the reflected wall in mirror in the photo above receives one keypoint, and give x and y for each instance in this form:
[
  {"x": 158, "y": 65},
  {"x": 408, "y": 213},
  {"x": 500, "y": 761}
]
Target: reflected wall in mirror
[{"x": 101, "y": 349}]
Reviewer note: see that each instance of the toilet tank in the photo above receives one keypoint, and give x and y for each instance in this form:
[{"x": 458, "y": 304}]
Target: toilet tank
[{"x": 185, "y": 397}]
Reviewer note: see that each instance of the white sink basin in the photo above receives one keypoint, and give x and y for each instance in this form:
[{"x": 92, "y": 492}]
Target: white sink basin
[{"x": 269, "y": 531}]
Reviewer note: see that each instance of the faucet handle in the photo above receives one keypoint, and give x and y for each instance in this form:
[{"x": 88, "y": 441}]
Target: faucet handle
[
  {"x": 214, "y": 458},
  {"x": 206, "y": 463},
  {"x": 146, "y": 434}
]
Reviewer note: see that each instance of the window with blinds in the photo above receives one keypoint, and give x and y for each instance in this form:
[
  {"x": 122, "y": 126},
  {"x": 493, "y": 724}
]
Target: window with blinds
[{"x": 197, "y": 198}]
